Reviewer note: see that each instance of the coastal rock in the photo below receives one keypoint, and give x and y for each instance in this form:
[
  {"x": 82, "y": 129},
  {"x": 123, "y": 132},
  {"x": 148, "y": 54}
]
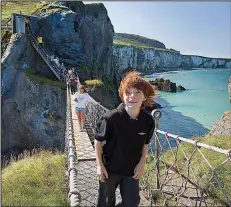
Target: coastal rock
[
  {"x": 164, "y": 85},
  {"x": 223, "y": 126},
  {"x": 103, "y": 96},
  {"x": 81, "y": 36},
  {"x": 180, "y": 88},
  {"x": 33, "y": 115}
]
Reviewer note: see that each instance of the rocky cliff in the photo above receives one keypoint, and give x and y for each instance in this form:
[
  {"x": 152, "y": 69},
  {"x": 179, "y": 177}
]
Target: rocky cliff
[
  {"x": 32, "y": 114},
  {"x": 149, "y": 60},
  {"x": 80, "y": 35}
]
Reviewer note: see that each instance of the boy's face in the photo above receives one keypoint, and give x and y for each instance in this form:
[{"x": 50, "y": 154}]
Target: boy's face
[{"x": 133, "y": 98}]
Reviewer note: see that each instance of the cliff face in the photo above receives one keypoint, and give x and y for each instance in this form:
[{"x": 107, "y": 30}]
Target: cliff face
[
  {"x": 32, "y": 114},
  {"x": 80, "y": 35},
  {"x": 157, "y": 60}
]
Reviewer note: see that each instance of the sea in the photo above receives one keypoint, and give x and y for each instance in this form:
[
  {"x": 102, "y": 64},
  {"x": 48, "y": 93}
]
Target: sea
[{"x": 192, "y": 112}]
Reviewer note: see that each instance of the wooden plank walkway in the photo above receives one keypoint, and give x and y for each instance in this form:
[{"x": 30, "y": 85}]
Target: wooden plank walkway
[{"x": 87, "y": 178}]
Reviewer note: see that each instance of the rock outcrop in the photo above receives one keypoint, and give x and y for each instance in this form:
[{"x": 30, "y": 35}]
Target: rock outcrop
[
  {"x": 223, "y": 126},
  {"x": 166, "y": 85},
  {"x": 181, "y": 88},
  {"x": 80, "y": 35},
  {"x": 33, "y": 115}
]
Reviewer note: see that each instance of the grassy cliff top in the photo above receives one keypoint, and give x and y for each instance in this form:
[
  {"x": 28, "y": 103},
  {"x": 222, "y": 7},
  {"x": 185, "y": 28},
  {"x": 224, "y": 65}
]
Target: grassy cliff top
[
  {"x": 26, "y": 7},
  {"x": 136, "y": 41}
]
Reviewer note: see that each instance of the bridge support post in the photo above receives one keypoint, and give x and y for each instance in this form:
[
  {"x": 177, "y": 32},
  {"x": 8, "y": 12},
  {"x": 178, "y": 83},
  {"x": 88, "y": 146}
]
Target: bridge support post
[{"x": 157, "y": 115}]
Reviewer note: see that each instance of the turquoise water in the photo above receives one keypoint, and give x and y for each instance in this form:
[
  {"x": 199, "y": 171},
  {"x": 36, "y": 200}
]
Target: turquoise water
[{"x": 192, "y": 112}]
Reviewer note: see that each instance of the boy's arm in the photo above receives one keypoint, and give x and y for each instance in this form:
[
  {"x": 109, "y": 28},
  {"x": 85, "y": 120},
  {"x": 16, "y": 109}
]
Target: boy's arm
[
  {"x": 98, "y": 152},
  {"x": 144, "y": 153},
  {"x": 101, "y": 134},
  {"x": 101, "y": 170}
]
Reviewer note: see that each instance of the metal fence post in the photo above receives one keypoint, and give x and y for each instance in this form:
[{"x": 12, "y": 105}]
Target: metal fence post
[{"x": 157, "y": 115}]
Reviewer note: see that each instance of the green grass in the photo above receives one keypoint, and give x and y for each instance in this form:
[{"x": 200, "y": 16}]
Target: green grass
[
  {"x": 26, "y": 7},
  {"x": 44, "y": 80},
  {"x": 94, "y": 82},
  {"x": 5, "y": 34},
  {"x": 105, "y": 84},
  {"x": 133, "y": 43},
  {"x": 130, "y": 42},
  {"x": 200, "y": 167},
  {"x": 37, "y": 180},
  {"x": 51, "y": 8}
]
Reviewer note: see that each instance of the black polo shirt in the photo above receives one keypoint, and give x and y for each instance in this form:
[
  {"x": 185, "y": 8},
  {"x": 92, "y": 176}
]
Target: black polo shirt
[{"x": 125, "y": 138}]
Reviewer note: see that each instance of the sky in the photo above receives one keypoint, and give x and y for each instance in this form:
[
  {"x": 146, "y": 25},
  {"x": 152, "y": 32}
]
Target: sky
[{"x": 193, "y": 28}]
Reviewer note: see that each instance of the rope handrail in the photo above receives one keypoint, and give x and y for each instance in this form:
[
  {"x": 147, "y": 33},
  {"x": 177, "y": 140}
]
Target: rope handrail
[
  {"x": 195, "y": 142},
  {"x": 6, "y": 26},
  {"x": 185, "y": 171},
  {"x": 70, "y": 151},
  {"x": 43, "y": 51}
]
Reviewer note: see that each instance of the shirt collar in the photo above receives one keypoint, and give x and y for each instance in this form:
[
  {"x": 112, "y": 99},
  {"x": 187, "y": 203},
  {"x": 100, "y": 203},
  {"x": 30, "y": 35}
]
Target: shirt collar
[{"x": 121, "y": 109}]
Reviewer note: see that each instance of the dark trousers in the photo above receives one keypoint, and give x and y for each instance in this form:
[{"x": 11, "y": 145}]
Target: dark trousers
[
  {"x": 73, "y": 89},
  {"x": 129, "y": 190}
]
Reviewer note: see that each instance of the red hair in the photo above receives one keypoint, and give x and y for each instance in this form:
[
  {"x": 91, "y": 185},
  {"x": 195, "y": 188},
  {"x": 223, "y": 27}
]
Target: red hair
[{"x": 133, "y": 80}]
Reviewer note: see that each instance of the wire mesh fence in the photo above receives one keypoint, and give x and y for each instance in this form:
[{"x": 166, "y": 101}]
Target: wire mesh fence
[{"x": 186, "y": 172}]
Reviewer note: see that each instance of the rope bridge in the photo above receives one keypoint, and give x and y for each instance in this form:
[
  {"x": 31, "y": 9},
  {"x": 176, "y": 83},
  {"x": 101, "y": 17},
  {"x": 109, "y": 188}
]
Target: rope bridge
[{"x": 178, "y": 170}]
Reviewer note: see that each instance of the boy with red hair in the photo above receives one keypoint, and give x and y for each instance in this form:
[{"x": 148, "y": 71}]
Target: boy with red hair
[{"x": 121, "y": 142}]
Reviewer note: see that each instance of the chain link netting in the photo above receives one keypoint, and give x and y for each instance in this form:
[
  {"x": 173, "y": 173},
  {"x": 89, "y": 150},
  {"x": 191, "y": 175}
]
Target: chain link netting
[{"x": 186, "y": 172}]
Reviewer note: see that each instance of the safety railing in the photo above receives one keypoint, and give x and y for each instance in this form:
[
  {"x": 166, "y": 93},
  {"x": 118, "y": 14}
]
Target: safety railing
[
  {"x": 45, "y": 54},
  {"x": 186, "y": 172},
  {"x": 6, "y": 26},
  {"x": 70, "y": 151}
]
